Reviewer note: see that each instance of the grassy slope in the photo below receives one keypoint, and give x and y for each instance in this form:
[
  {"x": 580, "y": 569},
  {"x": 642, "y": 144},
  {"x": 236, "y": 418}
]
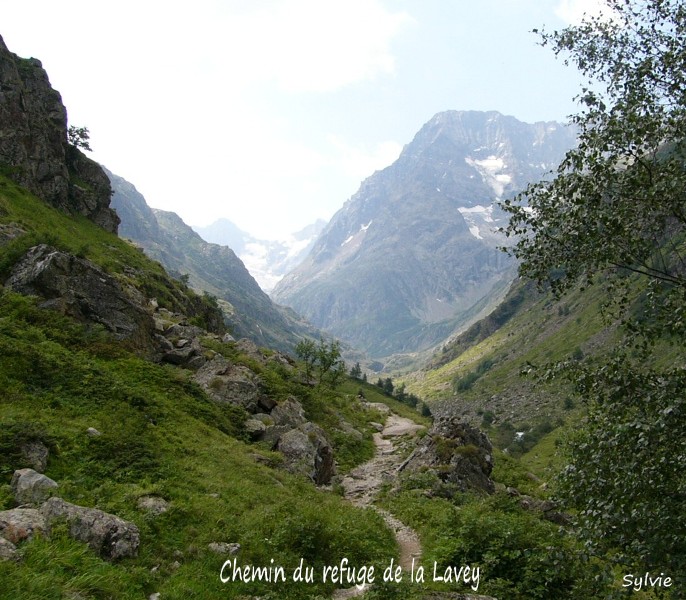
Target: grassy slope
[
  {"x": 480, "y": 375},
  {"x": 160, "y": 435}
]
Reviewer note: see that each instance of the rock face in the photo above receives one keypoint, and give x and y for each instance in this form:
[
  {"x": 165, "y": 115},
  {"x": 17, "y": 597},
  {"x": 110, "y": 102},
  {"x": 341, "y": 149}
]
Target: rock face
[
  {"x": 413, "y": 255},
  {"x": 108, "y": 535},
  {"x": 459, "y": 453},
  {"x": 79, "y": 288},
  {"x": 34, "y": 148}
]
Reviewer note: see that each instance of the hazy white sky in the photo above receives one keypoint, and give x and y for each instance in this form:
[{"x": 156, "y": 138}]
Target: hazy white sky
[{"x": 271, "y": 112}]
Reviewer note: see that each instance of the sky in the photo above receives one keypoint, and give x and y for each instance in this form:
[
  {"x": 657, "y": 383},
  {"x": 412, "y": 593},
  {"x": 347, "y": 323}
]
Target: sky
[{"x": 270, "y": 113}]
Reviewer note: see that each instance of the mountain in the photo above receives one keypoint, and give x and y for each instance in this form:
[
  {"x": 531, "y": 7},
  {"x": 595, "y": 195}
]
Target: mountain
[
  {"x": 211, "y": 268},
  {"x": 412, "y": 256},
  {"x": 267, "y": 260}
]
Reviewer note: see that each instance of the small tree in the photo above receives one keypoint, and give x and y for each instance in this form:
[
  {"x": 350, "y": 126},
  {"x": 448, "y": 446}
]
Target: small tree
[
  {"x": 356, "y": 371},
  {"x": 307, "y": 352},
  {"x": 323, "y": 359},
  {"x": 79, "y": 137}
]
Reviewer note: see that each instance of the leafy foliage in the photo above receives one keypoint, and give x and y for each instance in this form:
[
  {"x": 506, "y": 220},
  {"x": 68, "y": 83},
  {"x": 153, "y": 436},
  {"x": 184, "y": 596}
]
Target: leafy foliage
[
  {"x": 323, "y": 360},
  {"x": 79, "y": 137},
  {"x": 617, "y": 206}
]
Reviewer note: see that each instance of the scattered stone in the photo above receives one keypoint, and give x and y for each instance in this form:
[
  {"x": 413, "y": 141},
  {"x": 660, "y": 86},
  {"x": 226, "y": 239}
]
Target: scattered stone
[
  {"x": 153, "y": 504},
  {"x": 108, "y": 535},
  {"x": 21, "y": 524},
  {"x": 30, "y": 487},
  {"x": 230, "y": 549},
  {"x": 93, "y": 432}
]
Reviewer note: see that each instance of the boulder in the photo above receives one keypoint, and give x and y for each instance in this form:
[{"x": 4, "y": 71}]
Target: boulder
[
  {"x": 20, "y": 524},
  {"x": 460, "y": 454},
  {"x": 30, "y": 487},
  {"x": 108, "y": 535},
  {"x": 255, "y": 428},
  {"x": 306, "y": 451},
  {"x": 80, "y": 289},
  {"x": 289, "y": 413},
  {"x": 227, "y": 383}
]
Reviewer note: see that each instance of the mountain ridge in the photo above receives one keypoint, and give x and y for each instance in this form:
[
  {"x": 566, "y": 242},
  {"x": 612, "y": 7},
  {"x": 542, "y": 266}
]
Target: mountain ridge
[
  {"x": 400, "y": 265},
  {"x": 210, "y": 268}
]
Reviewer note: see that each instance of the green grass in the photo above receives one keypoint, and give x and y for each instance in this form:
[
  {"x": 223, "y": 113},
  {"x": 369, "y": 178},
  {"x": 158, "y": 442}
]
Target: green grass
[
  {"x": 161, "y": 435},
  {"x": 79, "y": 236}
]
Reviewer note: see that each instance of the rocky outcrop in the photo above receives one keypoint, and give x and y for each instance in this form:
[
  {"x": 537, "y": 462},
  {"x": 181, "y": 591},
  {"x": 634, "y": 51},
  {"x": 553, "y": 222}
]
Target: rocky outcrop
[
  {"x": 78, "y": 288},
  {"x": 34, "y": 148},
  {"x": 108, "y": 535},
  {"x": 30, "y": 487},
  {"x": 458, "y": 453}
]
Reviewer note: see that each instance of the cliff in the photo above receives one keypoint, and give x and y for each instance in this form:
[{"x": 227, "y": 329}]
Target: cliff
[{"x": 34, "y": 147}]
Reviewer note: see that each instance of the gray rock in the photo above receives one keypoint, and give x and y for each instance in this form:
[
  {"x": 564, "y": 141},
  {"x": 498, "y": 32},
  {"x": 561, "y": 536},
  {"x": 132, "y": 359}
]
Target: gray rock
[
  {"x": 224, "y": 548},
  {"x": 306, "y": 451},
  {"x": 153, "y": 504},
  {"x": 289, "y": 413},
  {"x": 460, "y": 454},
  {"x": 227, "y": 383},
  {"x": 255, "y": 428},
  {"x": 8, "y": 551},
  {"x": 108, "y": 535},
  {"x": 79, "y": 288},
  {"x": 93, "y": 432},
  {"x": 21, "y": 524},
  {"x": 30, "y": 487}
]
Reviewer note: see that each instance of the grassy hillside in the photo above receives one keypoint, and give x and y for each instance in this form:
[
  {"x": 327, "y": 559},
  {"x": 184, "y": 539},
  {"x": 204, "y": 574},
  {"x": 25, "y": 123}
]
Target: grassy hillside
[
  {"x": 161, "y": 436},
  {"x": 480, "y": 375}
]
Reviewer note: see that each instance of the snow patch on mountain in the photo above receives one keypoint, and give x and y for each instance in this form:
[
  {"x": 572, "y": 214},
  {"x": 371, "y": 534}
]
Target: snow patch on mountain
[{"x": 491, "y": 171}]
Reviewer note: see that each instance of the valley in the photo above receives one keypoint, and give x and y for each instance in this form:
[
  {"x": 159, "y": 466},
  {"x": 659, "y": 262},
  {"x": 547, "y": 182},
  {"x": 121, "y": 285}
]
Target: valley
[{"x": 494, "y": 408}]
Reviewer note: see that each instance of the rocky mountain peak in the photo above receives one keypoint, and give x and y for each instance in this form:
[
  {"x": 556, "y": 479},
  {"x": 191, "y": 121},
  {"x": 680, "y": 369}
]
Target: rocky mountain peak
[
  {"x": 414, "y": 252},
  {"x": 34, "y": 150}
]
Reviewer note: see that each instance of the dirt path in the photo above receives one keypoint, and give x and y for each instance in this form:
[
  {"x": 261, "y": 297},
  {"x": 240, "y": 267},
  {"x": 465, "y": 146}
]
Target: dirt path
[{"x": 363, "y": 484}]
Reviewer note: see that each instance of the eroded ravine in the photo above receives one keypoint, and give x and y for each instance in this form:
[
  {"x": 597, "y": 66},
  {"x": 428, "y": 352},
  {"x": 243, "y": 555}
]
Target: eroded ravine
[{"x": 362, "y": 485}]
